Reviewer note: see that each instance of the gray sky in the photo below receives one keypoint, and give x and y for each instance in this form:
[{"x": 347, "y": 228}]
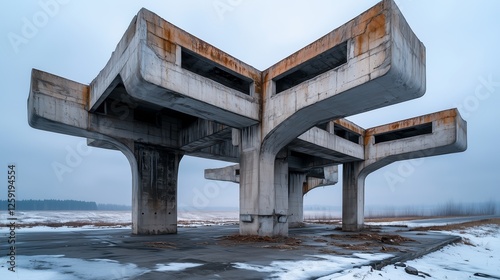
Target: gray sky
[{"x": 75, "y": 39}]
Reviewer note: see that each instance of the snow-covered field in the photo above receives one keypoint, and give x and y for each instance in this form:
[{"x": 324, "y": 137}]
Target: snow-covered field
[
  {"x": 480, "y": 254},
  {"x": 35, "y": 221}
]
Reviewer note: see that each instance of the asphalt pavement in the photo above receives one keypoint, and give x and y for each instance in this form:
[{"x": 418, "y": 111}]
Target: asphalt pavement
[{"x": 218, "y": 248}]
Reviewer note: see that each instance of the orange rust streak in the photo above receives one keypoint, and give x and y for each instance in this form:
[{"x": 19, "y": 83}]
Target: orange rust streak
[
  {"x": 350, "y": 126},
  {"x": 349, "y": 30},
  {"x": 86, "y": 97},
  {"x": 305, "y": 188},
  {"x": 447, "y": 116},
  {"x": 176, "y": 36}
]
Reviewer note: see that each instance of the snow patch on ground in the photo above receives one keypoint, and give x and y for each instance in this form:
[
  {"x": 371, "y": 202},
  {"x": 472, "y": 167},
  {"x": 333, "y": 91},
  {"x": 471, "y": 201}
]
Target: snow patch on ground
[
  {"x": 175, "y": 266},
  {"x": 55, "y": 267},
  {"x": 58, "y": 267},
  {"x": 480, "y": 253},
  {"x": 316, "y": 266}
]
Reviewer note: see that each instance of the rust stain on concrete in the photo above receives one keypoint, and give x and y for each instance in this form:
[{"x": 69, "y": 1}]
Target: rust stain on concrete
[{"x": 445, "y": 117}]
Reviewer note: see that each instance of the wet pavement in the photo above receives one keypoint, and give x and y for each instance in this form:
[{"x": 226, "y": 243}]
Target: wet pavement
[{"x": 218, "y": 249}]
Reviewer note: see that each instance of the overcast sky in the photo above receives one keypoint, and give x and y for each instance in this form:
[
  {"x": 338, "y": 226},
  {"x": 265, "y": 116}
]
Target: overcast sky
[{"x": 74, "y": 39}]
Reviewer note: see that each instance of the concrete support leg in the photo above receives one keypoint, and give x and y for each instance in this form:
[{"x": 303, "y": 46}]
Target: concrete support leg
[
  {"x": 296, "y": 199},
  {"x": 353, "y": 197},
  {"x": 263, "y": 188},
  {"x": 154, "y": 199},
  {"x": 280, "y": 223}
]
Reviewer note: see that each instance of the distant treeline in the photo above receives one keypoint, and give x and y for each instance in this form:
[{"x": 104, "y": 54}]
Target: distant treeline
[{"x": 55, "y": 204}]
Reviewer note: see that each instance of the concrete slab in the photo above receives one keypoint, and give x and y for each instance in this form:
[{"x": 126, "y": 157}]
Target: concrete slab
[{"x": 217, "y": 249}]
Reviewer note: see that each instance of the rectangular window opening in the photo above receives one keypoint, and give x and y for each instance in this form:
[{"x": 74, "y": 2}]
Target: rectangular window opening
[
  {"x": 417, "y": 130},
  {"x": 211, "y": 70},
  {"x": 346, "y": 134},
  {"x": 316, "y": 66}
]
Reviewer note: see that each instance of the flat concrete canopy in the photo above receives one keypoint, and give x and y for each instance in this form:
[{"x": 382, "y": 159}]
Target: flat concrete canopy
[{"x": 165, "y": 93}]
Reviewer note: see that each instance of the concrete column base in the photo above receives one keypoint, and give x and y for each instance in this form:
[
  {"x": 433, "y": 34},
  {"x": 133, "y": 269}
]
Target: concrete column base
[
  {"x": 296, "y": 200},
  {"x": 353, "y": 197},
  {"x": 263, "y": 188},
  {"x": 154, "y": 198},
  {"x": 263, "y": 225}
]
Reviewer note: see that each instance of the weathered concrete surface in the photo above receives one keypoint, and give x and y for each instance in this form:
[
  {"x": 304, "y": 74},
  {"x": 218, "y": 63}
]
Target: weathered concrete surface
[
  {"x": 430, "y": 135},
  {"x": 156, "y": 210},
  {"x": 385, "y": 65},
  {"x": 170, "y": 93},
  {"x": 148, "y": 62}
]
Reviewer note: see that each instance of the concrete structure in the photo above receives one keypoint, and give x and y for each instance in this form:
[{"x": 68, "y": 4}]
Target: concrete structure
[
  {"x": 434, "y": 134},
  {"x": 165, "y": 93},
  {"x": 299, "y": 183}
]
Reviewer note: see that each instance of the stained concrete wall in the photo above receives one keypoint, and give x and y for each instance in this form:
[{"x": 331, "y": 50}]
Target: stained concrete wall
[
  {"x": 148, "y": 62},
  {"x": 385, "y": 65}
]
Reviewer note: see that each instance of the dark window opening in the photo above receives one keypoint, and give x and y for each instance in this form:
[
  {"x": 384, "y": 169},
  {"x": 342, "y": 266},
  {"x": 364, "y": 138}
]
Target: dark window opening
[
  {"x": 404, "y": 133},
  {"x": 211, "y": 70},
  {"x": 318, "y": 65},
  {"x": 346, "y": 134},
  {"x": 237, "y": 172}
]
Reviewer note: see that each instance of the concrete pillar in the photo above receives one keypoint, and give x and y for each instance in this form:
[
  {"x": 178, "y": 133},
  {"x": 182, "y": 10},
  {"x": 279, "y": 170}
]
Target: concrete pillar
[
  {"x": 154, "y": 197},
  {"x": 263, "y": 188},
  {"x": 353, "y": 197},
  {"x": 296, "y": 199},
  {"x": 280, "y": 223}
]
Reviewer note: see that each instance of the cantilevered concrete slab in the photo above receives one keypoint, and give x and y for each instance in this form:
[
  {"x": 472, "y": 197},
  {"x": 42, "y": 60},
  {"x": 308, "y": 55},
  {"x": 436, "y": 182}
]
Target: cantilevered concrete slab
[
  {"x": 161, "y": 64},
  {"x": 430, "y": 135},
  {"x": 165, "y": 93}
]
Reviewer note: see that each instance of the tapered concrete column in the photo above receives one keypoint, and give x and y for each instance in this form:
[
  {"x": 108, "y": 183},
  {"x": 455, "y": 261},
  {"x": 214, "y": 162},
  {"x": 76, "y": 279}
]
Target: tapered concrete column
[
  {"x": 263, "y": 188},
  {"x": 154, "y": 197},
  {"x": 295, "y": 199},
  {"x": 353, "y": 197}
]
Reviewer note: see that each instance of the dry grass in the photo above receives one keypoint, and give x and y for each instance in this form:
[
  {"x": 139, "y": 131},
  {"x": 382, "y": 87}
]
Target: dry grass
[
  {"x": 162, "y": 245},
  {"x": 392, "y": 239},
  {"x": 257, "y": 239},
  {"x": 277, "y": 242}
]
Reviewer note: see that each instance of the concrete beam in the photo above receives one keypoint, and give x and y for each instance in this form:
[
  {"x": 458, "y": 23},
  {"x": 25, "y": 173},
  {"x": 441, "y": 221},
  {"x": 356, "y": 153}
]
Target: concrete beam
[
  {"x": 202, "y": 134},
  {"x": 323, "y": 144},
  {"x": 430, "y": 135},
  {"x": 224, "y": 151},
  {"x": 228, "y": 174},
  {"x": 60, "y": 105},
  {"x": 330, "y": 177}
]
